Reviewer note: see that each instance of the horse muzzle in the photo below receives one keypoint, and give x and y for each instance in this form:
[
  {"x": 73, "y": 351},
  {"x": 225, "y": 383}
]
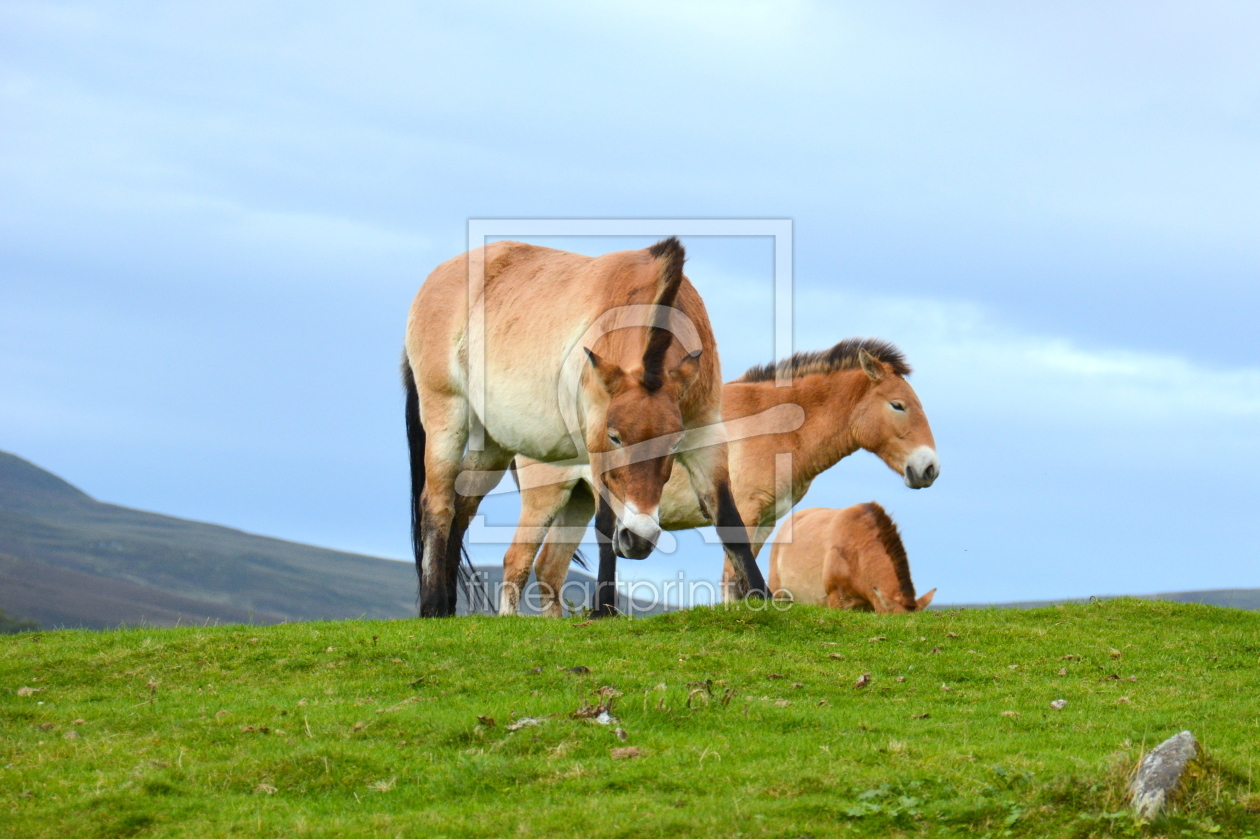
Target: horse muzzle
[
  {"x": 635, "y": 537},
  {"x": 922, "y": 468}
]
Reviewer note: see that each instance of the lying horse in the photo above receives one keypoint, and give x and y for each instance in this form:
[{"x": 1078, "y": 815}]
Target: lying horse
[
  {"x": 608, "y": 361},
  {"x": 846, "y": 559},
  {"x": 852, "y": 396}
]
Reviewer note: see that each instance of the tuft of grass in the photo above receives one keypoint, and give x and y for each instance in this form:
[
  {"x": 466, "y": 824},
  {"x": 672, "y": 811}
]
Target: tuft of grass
[{"x": 733, "y": 722}]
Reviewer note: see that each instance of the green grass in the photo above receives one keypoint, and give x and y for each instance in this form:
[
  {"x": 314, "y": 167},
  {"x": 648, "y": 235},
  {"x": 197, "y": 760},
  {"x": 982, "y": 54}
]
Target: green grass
[{"x": 364, "y": 728}]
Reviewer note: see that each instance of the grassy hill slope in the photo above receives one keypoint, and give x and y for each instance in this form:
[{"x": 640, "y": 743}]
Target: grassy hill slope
[{"x": 744, "y": 723}]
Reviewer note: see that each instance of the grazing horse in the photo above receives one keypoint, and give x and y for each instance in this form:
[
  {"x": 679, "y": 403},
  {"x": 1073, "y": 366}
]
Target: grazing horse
[
  {"x": 852, "y": 396},
  {"x": 608, "y": 361},
  {"x": 846, "y": 559}
]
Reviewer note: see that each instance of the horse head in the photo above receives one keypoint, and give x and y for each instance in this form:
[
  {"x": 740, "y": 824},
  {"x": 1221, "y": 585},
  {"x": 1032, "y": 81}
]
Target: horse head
[
  {"x": 897, "y": 603},
  {"x": 635, "y": 423},
  {"x": 891, "y": 423}
]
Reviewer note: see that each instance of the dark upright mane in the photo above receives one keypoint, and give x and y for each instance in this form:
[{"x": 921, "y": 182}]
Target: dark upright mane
[
  {"x": 891, "y": 540},
  {"x": 843, "y": 356},
  {"x": 669, "y": 252}
]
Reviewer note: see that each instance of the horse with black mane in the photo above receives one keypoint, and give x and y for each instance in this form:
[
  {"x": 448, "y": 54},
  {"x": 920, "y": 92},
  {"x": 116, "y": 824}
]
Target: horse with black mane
[{"x": 515, "y": 349}]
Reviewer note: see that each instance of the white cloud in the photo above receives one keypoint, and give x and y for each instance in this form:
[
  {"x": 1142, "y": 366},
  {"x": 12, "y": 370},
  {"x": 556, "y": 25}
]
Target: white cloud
[{"x": 975, "y": 364}]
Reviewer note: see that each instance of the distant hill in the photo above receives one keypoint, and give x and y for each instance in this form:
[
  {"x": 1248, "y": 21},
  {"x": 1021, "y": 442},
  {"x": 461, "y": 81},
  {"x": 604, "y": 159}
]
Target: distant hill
[
  {"x": 1234, "y": 598},
  {"x": 69, "y": 560}
]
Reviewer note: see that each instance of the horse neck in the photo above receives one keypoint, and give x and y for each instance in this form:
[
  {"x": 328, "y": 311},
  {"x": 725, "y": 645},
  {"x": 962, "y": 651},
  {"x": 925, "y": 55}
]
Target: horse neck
[
  {"x": 829, "y": 401},
  {"x": 826, "y": 437}
]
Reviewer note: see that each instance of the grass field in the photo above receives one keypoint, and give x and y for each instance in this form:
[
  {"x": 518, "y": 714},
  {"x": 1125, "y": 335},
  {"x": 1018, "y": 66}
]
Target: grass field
[{"x": 745, "y": 723}]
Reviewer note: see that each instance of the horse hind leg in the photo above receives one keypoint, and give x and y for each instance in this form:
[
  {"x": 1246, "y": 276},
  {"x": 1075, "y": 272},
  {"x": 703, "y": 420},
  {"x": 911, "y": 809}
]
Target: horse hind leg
[
  {"x": 481, "y": 472},
  {"x": 446, "y": 434}
]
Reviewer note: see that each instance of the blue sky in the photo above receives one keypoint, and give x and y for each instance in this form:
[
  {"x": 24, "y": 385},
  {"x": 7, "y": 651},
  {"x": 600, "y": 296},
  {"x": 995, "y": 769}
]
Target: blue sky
[{"x": 215, "y": 219}]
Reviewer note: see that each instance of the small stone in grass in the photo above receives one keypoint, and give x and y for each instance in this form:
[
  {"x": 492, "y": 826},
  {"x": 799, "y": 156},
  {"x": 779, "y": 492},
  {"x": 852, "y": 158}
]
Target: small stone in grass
[
  {"x": 862, "y": 681},
  {"x": 1062, "y": 671},
  {"x": 1059, "y": 704},
  {"x": 1159, "y": 774}
]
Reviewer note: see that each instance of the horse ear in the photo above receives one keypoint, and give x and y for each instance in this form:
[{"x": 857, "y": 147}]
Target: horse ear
[
  {"x": 870, "y": 365},
  {"x": 687, "y": 370},
  {"x": 609, "y": 374},
  {"x": 884, "y": 605},
  {"x": 922, "y": 602}
]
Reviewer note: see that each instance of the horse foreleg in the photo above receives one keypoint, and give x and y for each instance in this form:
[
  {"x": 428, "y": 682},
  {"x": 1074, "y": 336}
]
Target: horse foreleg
[
  {"x": 710, "y": 478},
  {"x": 747, "y": 579},
  {"x": 539, "y": 509},
  {"x": 605, "y": 601},
  {"x": 552, "y": 565},
  {"x": 760, "y": 534}
]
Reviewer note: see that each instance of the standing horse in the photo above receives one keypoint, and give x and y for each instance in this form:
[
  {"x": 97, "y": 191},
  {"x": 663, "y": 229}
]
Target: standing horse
[
  {"x": 852, "y": 396},
  {"x": 518, "y": 349},
  {"x": 845, "y": 559}
]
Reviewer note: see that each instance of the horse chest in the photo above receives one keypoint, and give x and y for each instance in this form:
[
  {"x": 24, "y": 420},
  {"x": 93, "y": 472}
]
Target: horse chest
[{"x": 680, "y": 506}]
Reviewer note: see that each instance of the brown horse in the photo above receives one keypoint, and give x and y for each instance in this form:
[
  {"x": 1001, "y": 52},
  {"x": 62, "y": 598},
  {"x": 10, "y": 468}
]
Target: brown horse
[
  {"x": 852, "y": 396},
  {"x": 608, "y": 361},
  {"x": 845, "y": 559}
]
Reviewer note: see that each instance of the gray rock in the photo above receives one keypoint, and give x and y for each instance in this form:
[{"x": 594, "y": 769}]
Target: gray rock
[{"x": 1159, "y": 774}]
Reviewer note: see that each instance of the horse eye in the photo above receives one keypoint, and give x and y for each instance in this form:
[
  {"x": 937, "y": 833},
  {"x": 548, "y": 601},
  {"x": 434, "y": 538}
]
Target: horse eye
[
  {"x": 898, "y": 406},
  {"x": 614, "y": 438}
]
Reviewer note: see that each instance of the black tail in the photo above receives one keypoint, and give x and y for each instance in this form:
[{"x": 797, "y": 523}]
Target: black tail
[
  {"x": 415, "y": 445},
  {"x": 476, "y": 588}
]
